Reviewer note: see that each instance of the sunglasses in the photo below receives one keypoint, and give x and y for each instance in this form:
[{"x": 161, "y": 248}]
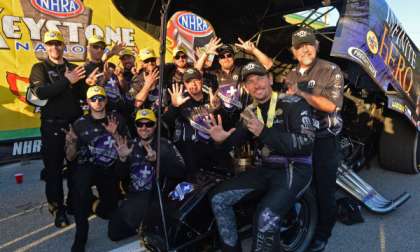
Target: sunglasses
[
  {"x": 150, "y": 60},
  {"x": 147, "y": 124},
  {"x": 227, "y": 55},
  {"x": 54, "y": 43},
  {"x": 98, "y": 98},
  {"x": 98, "y": 47},
  {"x": 182, "y": 56}
]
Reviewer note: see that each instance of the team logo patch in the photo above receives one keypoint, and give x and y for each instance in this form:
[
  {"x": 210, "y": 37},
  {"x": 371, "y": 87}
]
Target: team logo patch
[
  {"x": 193, "y": 24},
  {"x": 103, "y": 151},
  {"x": 230, "y": 96},
  {"x": 372, "y": 42},
  {"x": 59, "y": 8},
  {"x": 141, "y": 176}
]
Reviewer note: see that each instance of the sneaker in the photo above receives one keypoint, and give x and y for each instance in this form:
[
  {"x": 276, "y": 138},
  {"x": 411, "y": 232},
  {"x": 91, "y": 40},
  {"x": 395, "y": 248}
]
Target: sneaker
[
  {"x": 61, "y": 219},
  {"x": 317, "y": 245},
  {"x": 78, "y": 247}
]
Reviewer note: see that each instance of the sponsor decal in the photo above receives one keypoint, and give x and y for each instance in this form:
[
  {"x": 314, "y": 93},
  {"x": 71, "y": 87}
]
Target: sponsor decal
[
  {"x": 26, "y": 147},
  {"x": 372, "y": 42},
  {"x": 361, "y": 57},
  {"x": 193, "y": 24},
  {"x": 59, "y": 8}
]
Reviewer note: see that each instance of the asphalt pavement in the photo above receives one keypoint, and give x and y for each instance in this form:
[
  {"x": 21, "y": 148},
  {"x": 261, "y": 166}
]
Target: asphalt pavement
[{"x": 26, "y": 225}]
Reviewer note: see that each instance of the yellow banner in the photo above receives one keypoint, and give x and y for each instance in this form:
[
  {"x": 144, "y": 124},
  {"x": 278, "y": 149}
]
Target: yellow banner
[{"x": 23, "y": 24}]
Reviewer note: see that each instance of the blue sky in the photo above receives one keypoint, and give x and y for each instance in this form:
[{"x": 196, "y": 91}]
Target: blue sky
[{"x": 406, "y": 12}]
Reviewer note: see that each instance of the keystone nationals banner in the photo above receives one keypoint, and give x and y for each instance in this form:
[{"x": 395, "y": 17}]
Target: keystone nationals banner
[
  {"x": 369, "y": 34},
  {"x": 22, "y": 25}
]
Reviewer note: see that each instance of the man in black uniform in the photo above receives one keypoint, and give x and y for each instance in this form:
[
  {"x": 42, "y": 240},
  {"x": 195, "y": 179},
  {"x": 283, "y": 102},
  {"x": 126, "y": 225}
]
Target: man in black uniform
[
  {"x": 137, "y": 165},
  {"x": 233, "y": 96},
  {"x": 91, "y": 144},
  {"x": 320, "y": 83},
  {"x": 283, "y": 128},
  {"x": 184, "y": 113},
  {"x": 61, "y": 83}
]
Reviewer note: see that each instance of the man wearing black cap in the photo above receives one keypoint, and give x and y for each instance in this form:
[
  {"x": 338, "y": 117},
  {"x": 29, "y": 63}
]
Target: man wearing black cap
[
  {"x": 320, "y": 83},
  {"x": 233, "y": 97},
  {"x": 282, "y": 127},
  {"x": 188, "y": 114}
]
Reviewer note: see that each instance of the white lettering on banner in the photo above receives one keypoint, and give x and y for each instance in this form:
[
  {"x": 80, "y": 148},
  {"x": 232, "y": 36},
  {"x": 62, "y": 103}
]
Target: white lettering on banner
[
  {"x": 73, "y": 31},
  {"x": 11, "y": 30},
  {"x": 9, "y": 27},
  {"x": 34, "y": 27},
  {"x": 3, "y": 44},
  {"x": 26, "y": 147}
]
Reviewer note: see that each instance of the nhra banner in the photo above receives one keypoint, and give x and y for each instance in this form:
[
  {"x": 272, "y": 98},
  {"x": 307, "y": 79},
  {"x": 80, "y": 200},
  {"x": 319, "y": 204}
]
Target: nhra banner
[
  {"x": 369, "y": 34},
  {"x": 22, "y": 25}
]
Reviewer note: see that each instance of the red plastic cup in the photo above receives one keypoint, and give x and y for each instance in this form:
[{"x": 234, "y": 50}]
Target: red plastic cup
[{"x": 19, "y": 178}]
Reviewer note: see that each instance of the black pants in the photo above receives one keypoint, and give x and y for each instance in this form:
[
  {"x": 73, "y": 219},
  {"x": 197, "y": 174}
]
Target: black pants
[
  {"x": 326, "y": 158},
  {"x": 128, "y": 217},
  {"x": 200, "y": 155},
  {"x": 83, "y": 177},
  {"x": 52, "y": 149},
  {"x": 275, "y": 190}
]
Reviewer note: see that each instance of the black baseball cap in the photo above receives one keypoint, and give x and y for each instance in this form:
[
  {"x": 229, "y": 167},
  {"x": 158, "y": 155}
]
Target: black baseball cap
[
  {"x": 252, "y": 68},
  {"x": 191, "y": 73},
  {"x": 303, "y": 35},
  {"x": 225, "y": 48}
]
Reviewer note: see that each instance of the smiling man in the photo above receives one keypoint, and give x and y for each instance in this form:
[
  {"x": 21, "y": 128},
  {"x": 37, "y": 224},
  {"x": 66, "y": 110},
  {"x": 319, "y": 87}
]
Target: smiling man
[
  {"x": 282, "y": 128},
  {"x": 61, "y": 82},
  {"x": 320, "y": 83}
]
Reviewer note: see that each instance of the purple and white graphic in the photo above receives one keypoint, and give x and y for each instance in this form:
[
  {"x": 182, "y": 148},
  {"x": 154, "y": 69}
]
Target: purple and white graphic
[
  {"x": 181, "y": 190},
  {"x": 103, "y": 151},
  {"x": 141, "y": 176},
  {"x": 230, "y": 96},
  {"x": 200, "y": 120}
]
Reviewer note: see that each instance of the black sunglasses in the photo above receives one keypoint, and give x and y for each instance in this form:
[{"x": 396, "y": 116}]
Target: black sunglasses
[
  {"x": 182, "y": 56},
  {"x": 226, "y": 55},
  {"x": 55, "y": 43},
  {"x": 149, "y": 60},
  {"x": 147, "y": 124},
  {"x": 98, "y": 98},
  {"x": 98, "y": 47}
]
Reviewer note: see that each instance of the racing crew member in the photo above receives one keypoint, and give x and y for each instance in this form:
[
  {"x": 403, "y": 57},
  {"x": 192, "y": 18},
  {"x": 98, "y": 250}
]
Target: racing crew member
[
  {"x": 62, "y": 83},
  {"x": 282, "y": 126},
  {"x": 320, "y": 83},
  {"x": 91, "y": 144},
  {"x": 137, "y": 164},
  {"x": 187, "y": 113},
  {"x": 234, "y": 97}
]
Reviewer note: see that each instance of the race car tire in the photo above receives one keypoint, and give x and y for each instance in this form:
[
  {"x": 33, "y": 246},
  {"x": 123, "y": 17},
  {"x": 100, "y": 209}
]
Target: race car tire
[
  {"x": 303, "y": 219},
  {"x": 398, "y": 145}
]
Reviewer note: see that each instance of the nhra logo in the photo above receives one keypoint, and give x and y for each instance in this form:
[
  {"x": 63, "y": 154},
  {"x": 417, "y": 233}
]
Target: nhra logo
[
  {"x": 193, "y": 24},
  {"x": 59, "y": 8}
]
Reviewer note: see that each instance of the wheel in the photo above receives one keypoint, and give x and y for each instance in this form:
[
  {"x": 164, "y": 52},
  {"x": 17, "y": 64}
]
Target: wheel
[
  {"x": 299, "y": 227},
  {"x": 398, "y": 145}
]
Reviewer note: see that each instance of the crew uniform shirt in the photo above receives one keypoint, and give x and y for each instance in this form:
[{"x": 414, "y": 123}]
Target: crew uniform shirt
[
  {"x": 95, "y": 145},
  {"x": 179, "y": 118},
  {"x": 325, "y": 79},
  {"x": 48, "y": 82},
  {"x": 141, "y": 172},
  {"x": 291, "y": 135}
]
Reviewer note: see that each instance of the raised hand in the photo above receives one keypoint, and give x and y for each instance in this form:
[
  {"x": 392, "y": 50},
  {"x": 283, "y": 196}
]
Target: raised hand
[
  {"x": 71, "y": 136},
  {"x": 116, "y": 49},
  {"x": 76, "y": 74},
  {"x": 122, "y": 147},
  {"x": 214, "y": 100},
  {"x": 151, "y": 154},
  {"x": 151, "y": 78},
  {"x": 216, "y": 131},
  {"x": 112, "y": 125},
  {"x": 93, "y": 77},
  {"x": 247, "y": 46},
  {"x": 177, "y": 98},
  {"x": 213, "y": 45},
  {"x": 251, "y": 121}
]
